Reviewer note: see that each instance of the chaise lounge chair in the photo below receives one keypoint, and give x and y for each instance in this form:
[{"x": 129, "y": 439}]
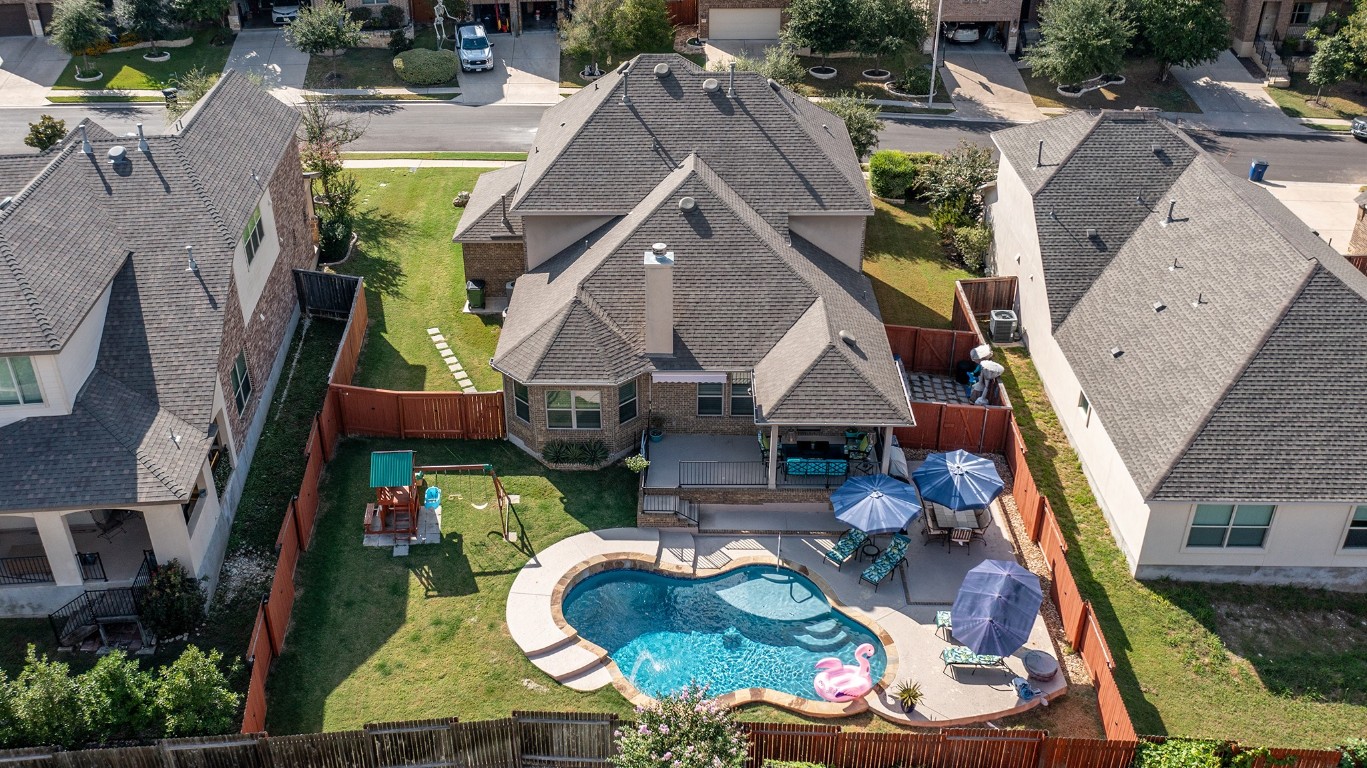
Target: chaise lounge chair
[
  {"x": 961, "y": 656},
  {"x": 846, "y": 547},
  {"x": 895, "y": 555}
]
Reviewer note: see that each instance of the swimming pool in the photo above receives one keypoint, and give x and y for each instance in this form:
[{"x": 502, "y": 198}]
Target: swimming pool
[{"x": 753, "y": 627}]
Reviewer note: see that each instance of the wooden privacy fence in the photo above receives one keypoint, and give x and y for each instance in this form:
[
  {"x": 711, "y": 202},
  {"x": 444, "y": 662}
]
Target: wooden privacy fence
[
  {"x": 947, "y": 426},
  {"x": 387, "y": 413},
  {"x": 586, "y": 740}
]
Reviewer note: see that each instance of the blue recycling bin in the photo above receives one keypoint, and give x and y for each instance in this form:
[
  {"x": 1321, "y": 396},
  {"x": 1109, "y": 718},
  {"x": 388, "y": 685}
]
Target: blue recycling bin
[{"x": 1257, "y": 170}]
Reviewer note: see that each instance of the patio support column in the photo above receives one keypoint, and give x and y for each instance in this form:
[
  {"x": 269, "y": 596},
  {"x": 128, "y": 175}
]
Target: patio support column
[
  {"x": 170, "y": 535},
  {"x": 773, "y": 455},
  {"x": 59, "y": 547},
  {"x": 887, "y": 449}
]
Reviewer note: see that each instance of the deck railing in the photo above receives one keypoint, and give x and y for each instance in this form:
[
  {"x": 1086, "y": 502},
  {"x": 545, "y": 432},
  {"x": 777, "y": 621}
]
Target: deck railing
[
  {"x": 92, "y": 567},
  {"x": 25, "y": 570},
  {"x": 747, "y": 474}
]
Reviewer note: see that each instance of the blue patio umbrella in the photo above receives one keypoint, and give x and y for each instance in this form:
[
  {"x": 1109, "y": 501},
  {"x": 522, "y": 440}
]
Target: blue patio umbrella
[
  {"x": 996, "y": 607},
  {"x": 958, "y": 480},
  {"x": 876, "y": 503}
]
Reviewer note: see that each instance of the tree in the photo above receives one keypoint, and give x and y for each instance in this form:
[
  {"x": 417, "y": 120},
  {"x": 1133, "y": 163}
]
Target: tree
[
  {"x": 44, "y": 701},
  {"x": 861, "y": 120},
  {"x": 193, "y": 697},
  {"x": 780, "y": 64},
  {"x": 1080, "y": 39},
  {"x": 192, "y": 12},
  {"x": 46, "y": 133},
  {"x": 113, "y": 697},
  {"x": 190, "y": 88},
  {"x": 591, "y": 32},
  {"x": 145, "y": 18},
  {"x": 1183, "y": 33},
  {"x": 77, "y": 25},
  {"x": 644, "y": 26},
  {"x": 323, "y": 131},
  {"x": 888, "y": 27},
  {"x": 1333, "y": 62},
  {"x": 325, "y": 28},
  {"x": 825, "y": 26}
]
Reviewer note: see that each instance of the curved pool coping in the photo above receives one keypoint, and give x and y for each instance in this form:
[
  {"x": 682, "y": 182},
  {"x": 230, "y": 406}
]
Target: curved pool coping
[{"x": 788, "y": 701}]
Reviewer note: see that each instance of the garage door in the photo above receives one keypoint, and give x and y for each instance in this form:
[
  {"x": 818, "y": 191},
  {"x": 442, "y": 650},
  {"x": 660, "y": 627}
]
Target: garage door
[
  {"x": 744, "y": 23},
  {"x": 14, "y": 20}
]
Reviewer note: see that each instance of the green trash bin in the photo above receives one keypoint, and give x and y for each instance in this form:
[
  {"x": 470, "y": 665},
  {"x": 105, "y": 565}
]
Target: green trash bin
[{"x": 474, "y": 292}]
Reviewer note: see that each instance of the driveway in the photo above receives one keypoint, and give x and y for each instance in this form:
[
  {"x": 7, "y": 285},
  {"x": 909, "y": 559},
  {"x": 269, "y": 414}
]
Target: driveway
[
  {"x": 265, "y": 53},
  {"x": 1326, "y": 208},
  {"x": 1232, "y": 100},
  {"x": 29, "y": 66},
  {"x": 526, "y": 71},
  {"x": 983, "y": 82},
  {"x": 723, "y": 52}
]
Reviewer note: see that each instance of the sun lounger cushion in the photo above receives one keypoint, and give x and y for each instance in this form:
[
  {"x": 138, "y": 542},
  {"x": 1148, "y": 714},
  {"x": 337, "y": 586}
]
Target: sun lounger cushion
[
  {"x": 843, "y": 549},
  {"x": 891, "y": 558},
  {"x": 960, "y": 654}
]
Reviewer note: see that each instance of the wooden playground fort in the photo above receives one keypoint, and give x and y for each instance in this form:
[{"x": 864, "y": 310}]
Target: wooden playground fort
[{"x": 409, "y": 498}]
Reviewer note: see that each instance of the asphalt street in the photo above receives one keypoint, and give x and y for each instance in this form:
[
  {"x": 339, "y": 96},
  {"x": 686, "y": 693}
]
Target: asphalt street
[{"x": 432, "y": 126}]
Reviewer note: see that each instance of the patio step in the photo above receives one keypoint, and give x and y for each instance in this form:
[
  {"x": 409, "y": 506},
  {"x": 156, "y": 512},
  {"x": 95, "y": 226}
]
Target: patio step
[
  {"x": 688, "y": 510},
  {"x": 660, "y": 505}
]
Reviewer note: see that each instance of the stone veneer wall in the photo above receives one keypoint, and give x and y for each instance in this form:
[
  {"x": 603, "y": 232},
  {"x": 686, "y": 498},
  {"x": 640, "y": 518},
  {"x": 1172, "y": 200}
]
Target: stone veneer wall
[
  {"x": 1357, "y": 246},
  {"x": 496, "y": 263}
]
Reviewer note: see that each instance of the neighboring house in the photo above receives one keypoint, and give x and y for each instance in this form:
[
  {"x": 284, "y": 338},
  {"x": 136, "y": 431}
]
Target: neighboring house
[
  {"x": 750, "y": 315},
  {"x": 1251, "y": 20},
  {"x": 135, "y": 372},
  {"x": 24, "y": 17},
  {"x": 1203, "y": 349}
]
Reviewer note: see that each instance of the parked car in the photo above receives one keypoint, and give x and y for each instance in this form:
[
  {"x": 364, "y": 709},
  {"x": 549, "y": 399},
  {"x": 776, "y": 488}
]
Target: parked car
[
  {"x": 1360, "y": 127},
  {"x": 284, "y": 14},
  {"x": 476, "y": 52},
  {"x": 962, "y": 33}
]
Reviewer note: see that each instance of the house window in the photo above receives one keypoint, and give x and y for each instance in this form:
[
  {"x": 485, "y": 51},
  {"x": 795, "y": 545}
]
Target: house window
[
  {"x": 710, "y": 399},
  {"x": 251, "y": 234},
  {"x": 242, "y": 382},
  {"x": 567, "y": 409},
  {"x": 18, "y": 382},
  {"x": 1230, "y": 525},
  {"x": 742, "y": 398},
  {"x": 1306, "y": 13},
  {"x": 522, "y": 404},
  {"x": 1357, "y": 530},
  {"x": 626, "y": 402},
  {"x": 1084, "y": 405}
]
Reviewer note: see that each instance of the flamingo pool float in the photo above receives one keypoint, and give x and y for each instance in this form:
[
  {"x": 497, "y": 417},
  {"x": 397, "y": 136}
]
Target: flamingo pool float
[{"x": 838, "y": 681}]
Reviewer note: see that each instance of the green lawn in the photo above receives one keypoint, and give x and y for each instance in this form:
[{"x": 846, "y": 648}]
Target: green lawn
[
  {"x": 850, "y": 78},
  {"x": 1345, "y": 100},
  {"x": 1140, "y": 89},
  {"x": 365, "y": 67},
  {"x": 129, "y": 71},
  {"x": 1265, "y": 666},
  {"x": 512, "y": 156},
  {"x": 912, "y": 279},
  {"x": 415, "y": 280}
]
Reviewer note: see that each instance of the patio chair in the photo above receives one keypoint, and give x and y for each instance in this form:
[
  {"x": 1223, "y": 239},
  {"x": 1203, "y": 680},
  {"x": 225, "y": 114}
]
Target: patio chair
[
  {"x": 845, "y": 548},
  {"x": 983, "y": 520},
  {"x": 893, "y": 557},
  {"x": 858, "y": 451},
  {"x": 763, "y": 446},
  {"x": 961, "y": 656},
  {"x": 931, "y": 530}
]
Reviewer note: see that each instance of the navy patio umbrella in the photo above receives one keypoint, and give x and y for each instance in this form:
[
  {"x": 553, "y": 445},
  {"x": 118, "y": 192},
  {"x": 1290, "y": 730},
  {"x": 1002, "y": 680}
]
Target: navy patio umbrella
[
  {"x": 876, "y": 504},
  {"x": 958, "y": 480},
  {"x": 996, "y": 607}
]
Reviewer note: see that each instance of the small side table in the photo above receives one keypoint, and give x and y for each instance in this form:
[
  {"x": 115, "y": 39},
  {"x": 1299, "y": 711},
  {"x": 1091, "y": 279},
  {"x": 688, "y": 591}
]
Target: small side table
[
  {"x": 870, "y": 549},
  {"x": 962, "y": 536}
]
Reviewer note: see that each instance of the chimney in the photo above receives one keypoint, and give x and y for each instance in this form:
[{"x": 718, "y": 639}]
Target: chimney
[{"x": 659, "y": 263}]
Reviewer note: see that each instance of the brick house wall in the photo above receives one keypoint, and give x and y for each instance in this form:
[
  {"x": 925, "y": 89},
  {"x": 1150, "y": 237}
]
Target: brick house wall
[
  {"x": 495, "y": 263},
  {"x": 678, "y": 404},
  {"x": 1357, "y": 245},
  {"x": 980, "y": 10},
  {"x": 705, "y": 7},
  {"x": 262, "y": 334}
]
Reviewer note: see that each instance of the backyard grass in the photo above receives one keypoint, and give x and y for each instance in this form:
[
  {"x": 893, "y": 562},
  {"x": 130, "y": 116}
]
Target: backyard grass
[
  {"x": 365, "y": 67},
  {"x": 511, "y": 156},
  {"x": 912, "y": 279},
  {"x": 415, "y": 280},
  {"x": 1265, "y": 666},
  {"x": 1345, "y": 100},
  {"x": 129, "y": 71},
  {"x": 1140, "y": 89}
]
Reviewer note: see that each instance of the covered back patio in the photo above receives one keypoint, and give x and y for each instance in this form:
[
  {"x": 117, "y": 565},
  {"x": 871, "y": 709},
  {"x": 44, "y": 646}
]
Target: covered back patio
[{"x": 805, "y": 458}]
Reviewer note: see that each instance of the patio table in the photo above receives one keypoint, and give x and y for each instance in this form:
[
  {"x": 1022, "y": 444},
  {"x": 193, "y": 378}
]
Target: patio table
[{"x": 870, "y": 549}]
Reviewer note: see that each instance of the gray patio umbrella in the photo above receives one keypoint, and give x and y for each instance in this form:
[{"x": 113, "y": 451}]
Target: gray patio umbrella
[
  {"x": 876, "y": 504},
  {"x": 996, "y": 607}
]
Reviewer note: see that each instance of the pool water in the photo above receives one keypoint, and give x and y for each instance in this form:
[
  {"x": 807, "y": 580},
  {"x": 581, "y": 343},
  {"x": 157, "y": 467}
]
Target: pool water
[{"x": 754, "y": 627}]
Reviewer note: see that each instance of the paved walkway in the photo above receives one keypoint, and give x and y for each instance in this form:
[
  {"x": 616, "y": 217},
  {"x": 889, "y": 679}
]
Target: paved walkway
[
  {"x": 527, "y": 72},
  {"x": 29, "y": 66},
  {"x": 265, "y": 53},
  {"x": 1326, "y": 208},
  {"x": 418, "y": 163},
  {"x": 983, "y": 82},
  {"x": 1232, "y": 100}
]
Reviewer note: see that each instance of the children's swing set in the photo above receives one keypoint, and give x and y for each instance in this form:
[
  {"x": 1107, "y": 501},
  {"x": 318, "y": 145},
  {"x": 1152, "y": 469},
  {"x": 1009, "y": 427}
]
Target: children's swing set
[{"x": 409, "y": 498}]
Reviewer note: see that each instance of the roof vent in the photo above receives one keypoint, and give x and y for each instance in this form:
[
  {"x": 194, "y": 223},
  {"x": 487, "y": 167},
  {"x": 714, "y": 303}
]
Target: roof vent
[
  {"x": 623, "y": 67},
  {"x": 1117, "y": 352},
  {"x": 1159, "y": 306},
  {"x": 687, "y": 203},
  {"x": 85, "y": 141},
  {"x": 5, "y": 203},
  {"x": 662, "y": 70},
  {"x": 1172, "y": 207},
  {"x": 1091, "y": 233},
  {"x": 711, "y": 85},
  {"x": 1175, "y": 266},
  {"x": 659, "y": 248},
  {"x": 1200, "y": 300},
  {"x": 847, "y": 337},
  {"x": 143, "y": 146},
  {"x": 117, "y": 155},
  {"x": 191, "y": 265},
  {"x": 773, "y": 83}
]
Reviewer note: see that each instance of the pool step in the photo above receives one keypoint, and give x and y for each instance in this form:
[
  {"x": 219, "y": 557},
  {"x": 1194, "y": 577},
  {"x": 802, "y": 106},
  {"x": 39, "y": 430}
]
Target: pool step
[
  {"x": 813, "y": 643},
  {"x": 568, "y": 662},
  {"x": 589, "y": 680},
  {"x": 823, "y": 627}
]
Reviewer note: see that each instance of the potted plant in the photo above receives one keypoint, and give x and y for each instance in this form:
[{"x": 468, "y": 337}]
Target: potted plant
[
  {"x": 909, "y": 694},
  {"x": 657, "y": 428},
  {"x": 637, "y": 463}
]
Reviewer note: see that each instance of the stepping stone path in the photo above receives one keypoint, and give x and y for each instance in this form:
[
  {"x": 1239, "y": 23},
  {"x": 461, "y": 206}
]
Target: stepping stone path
[{"x": 452, "y": 364}]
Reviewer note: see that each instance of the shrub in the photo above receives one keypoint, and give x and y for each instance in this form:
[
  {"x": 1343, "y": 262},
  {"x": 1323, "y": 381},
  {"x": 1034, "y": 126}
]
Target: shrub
[
  {"x": 1177, "y": 753},
  {"x": 43, "y": 699},
  {"x": 363, "y": 14},
  {"x": 791, "y": 764},
  {"x": 556, "y": 451},
  {"x": 174, "y": 603},
  {"x": 683, "y": 730},
  {"x": 950, "y": 214},
  {"x": 391, "y": 16},
  {"x": 421, "y": 66},
  {"x": 915, "y": 81},
  {"x": 1354, "y": 753},
  {"x": 957, "y": 175},
  {"x": 114, "y": 697},
  {"x": 45, "y": 133},
  {"x": 590, "y": 452},
  {"x": 780, "y": 64},
  {"x": 399, "y": 41},
  {"x": 637, "y": 463},
  {"x": 892, "y": 173},
  {"x": 972, "y": 243},
  {"x": 193, "y": 696}
]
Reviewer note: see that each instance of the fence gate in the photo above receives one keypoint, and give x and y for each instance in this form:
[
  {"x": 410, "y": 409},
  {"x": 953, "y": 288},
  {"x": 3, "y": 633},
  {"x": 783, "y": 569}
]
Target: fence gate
[
  {"x": 565, "y": 739},
  {"x": 324, "y": 294}
]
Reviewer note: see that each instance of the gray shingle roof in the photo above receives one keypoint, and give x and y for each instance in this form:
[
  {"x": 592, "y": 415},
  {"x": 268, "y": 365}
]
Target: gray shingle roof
[
  {"x": 779, "y": 151},
  {"x": 486, "y": 216},
  {"x": 1249, "y": 384},
  {"x": 82, "y": 228},
  {"x": 739, "y": 291}
]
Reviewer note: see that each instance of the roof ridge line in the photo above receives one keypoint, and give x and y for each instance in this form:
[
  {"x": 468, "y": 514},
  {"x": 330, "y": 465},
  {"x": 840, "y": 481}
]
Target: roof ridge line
[
  {"x": 815, "y": 359},
  {"x": 1096, "y": 121},
  {"x": 197, "y": 184},
  {"x": 815, "y": 139},
  {"x": 152, "y": 467},
  {"x": 550, "y": 161}
]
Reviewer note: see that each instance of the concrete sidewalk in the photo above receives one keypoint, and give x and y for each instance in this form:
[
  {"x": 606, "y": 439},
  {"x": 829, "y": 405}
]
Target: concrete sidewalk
[
  {"x": 29, "y": 66},
  {"x": 1326, "y": 208},
  {"x": 1231, "y": 99},
  {"x": 417, "y": 163}
]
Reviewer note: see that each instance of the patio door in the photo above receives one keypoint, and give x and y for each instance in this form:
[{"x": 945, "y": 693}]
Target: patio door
[{"x": 1267, "y": 24}]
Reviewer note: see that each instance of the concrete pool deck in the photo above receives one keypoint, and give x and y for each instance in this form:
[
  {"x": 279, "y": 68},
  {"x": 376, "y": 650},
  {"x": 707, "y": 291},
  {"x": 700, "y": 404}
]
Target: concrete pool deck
[{"x": 901, "y": 611}]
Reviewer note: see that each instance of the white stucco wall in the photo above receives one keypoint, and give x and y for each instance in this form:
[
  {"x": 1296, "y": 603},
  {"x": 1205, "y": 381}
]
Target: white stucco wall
[
  {"x": 61, "y": 375},
  {"x": 842, "y": 236},
  {"x": 545, "y": 236},
  {"x": 252, "y": 278}
]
